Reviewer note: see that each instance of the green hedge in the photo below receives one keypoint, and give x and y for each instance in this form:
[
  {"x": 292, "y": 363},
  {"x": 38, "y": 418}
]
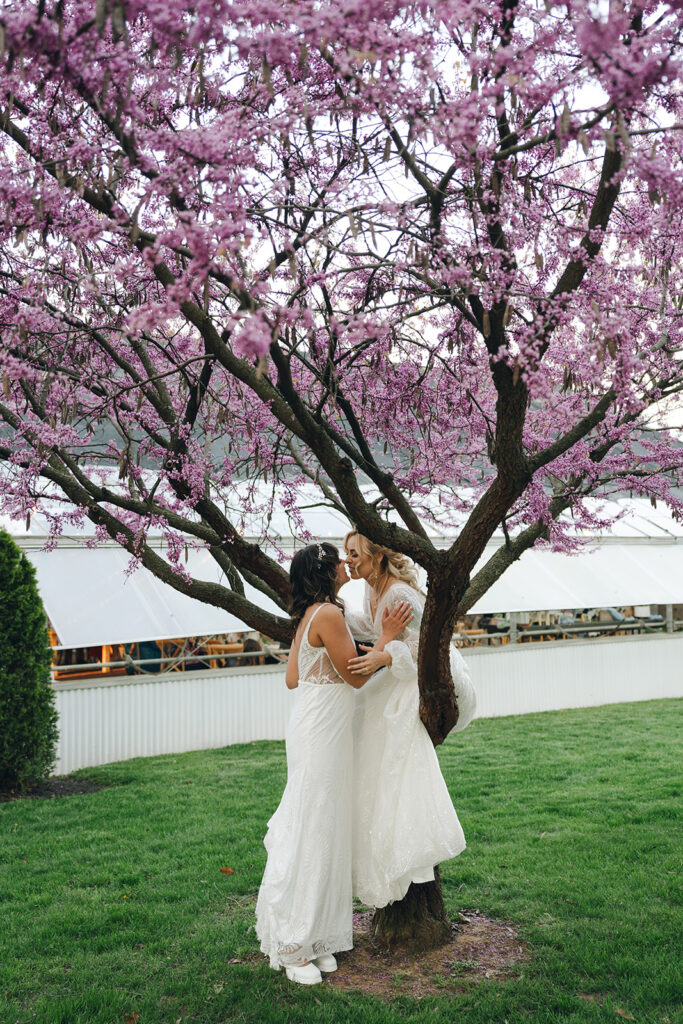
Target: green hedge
[{"x": 28, "y": 718}]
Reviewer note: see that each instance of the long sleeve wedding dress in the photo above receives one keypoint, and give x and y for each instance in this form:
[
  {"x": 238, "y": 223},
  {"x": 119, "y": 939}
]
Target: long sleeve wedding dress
[{"x": 404, "y": 822}]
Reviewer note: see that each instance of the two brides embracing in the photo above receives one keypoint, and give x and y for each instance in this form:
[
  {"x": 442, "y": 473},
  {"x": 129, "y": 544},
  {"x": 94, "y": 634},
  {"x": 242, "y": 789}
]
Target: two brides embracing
[{"x": 365, "y": 811}]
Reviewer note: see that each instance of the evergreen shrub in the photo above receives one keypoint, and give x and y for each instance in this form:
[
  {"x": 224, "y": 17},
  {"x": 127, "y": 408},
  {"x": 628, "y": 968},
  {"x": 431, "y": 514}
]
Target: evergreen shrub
[{"x": 28, "y": 718}]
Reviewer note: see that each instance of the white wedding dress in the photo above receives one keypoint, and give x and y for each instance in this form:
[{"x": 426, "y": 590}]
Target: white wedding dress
[
  {"x": 304, "y": 906},
  {"x": 404, "y": 822}
]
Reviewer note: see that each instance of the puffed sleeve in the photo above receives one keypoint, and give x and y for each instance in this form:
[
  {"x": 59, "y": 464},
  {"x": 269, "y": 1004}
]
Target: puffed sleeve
[
  {"x": 404, "y": 657},
  {"x": 403, "y": 651},
  {"x": 465, "y": 693}
]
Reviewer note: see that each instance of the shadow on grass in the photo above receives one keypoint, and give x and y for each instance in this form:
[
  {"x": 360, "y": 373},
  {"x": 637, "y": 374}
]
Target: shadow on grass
[{"x": 57, "y": 786}]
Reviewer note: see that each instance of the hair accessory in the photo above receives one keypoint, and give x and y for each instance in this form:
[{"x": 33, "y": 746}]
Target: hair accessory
[{"x": 321, "y": 554}]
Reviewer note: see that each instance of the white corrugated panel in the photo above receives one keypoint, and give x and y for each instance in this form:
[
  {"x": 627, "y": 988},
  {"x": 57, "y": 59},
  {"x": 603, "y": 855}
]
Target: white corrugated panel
[
  {"x": 140, "y": 717},
  {"x": 120, "y": 719},
  {"x": 523, "y": 678}
]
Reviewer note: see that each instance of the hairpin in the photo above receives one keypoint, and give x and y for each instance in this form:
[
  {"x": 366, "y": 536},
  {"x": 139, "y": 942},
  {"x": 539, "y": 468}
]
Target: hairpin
[{"x": 321, "y": 554}]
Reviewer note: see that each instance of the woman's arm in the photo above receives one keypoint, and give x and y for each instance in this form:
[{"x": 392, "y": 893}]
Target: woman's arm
[
  {"x": 330, "y": 629},
  {"x": 394, "y": 621},
  {"x": 292, "y": 673}
]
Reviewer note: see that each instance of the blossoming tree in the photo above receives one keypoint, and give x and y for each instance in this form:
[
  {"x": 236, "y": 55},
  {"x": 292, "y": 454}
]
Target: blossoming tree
[{"x": 398, "y": 243}]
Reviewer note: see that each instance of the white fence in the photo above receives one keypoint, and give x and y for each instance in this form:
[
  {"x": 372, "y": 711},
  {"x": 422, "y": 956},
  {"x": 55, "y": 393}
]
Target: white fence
[{"x": 140, "y": 716}]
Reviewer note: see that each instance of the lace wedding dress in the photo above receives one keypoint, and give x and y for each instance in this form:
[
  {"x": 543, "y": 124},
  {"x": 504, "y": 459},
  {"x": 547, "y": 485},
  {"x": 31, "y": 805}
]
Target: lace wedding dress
[
  {"x": 404, "y": 821},
  {"x": 304, "y": 905}
]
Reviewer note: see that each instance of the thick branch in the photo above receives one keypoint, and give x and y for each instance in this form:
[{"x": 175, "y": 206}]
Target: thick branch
[
  {"x": 506, "y": 555},
  {"x": 605, "y": 198},
  {"x": 201, "y": 590},
  {"x": 573, "y": 436}
]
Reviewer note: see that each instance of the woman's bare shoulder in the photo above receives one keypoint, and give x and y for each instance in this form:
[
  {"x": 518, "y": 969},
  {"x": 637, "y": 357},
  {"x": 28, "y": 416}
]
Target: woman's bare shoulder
[
  {"x": 328, "y": 626},
  {"x": 329, "y": 614}
]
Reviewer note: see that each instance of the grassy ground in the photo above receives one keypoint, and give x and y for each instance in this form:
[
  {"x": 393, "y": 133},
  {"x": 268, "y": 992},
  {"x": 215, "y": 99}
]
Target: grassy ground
[{"x": 114, "y": 908}]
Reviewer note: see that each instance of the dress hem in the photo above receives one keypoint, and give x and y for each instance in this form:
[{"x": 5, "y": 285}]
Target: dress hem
[{"x": 300, "y": 953}]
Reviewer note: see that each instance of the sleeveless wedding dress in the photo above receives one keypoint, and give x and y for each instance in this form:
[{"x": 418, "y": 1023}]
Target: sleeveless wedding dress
[
  {"x": 404, "y": 822},
  {"x": 304, "y": 906}
]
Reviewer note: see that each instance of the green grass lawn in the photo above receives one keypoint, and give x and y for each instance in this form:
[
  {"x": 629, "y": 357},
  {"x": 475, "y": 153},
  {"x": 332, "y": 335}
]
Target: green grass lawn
[{"x": 113, "y": 903}]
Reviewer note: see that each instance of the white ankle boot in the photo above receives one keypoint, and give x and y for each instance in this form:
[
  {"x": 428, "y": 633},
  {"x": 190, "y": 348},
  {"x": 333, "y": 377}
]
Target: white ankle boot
[
  {"x": 307, "y": 974},
  {"x": 325, "y": 963}
]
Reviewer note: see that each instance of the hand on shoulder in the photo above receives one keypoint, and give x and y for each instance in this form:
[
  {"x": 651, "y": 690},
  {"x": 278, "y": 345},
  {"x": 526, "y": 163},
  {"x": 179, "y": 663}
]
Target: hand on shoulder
[{"x": 395, "y": 619}]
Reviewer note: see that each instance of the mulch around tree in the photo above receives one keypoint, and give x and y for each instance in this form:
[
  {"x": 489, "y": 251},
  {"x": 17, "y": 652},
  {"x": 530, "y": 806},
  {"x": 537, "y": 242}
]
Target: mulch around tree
[
  {"x": 58, "y": 785},
  {"x": 480, "y": 949}
]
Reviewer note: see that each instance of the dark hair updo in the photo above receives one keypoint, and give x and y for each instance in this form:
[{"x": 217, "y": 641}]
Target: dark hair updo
[{"x": 313, "y": 578}]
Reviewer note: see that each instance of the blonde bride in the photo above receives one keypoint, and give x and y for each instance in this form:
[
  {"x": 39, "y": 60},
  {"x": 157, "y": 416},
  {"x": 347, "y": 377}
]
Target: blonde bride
[{"x": 404, "y": 822}]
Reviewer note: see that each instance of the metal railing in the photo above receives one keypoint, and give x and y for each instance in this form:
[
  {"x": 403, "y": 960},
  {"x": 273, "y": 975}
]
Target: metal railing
[
  {"x": 167, "y": 663},
  {"x": 557, "y": 631},
  {"x": 462, "y": 638}
]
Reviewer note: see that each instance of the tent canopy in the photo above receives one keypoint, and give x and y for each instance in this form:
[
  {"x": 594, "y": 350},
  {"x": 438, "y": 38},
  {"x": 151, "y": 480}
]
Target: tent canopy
[
  {"x": 91, "y": 598},
  {"x": 609, "y": 575}
]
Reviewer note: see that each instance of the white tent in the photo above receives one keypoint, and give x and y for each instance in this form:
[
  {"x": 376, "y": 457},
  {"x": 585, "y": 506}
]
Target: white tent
[
  {"x": 92, "y": 599},
  {"x": 597, "y": 577}
]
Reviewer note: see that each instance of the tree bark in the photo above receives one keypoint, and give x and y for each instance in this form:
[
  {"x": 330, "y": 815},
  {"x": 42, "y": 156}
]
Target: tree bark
[
  {"x": 438, "y": 704},
  {"x": 416, "y": 923}
]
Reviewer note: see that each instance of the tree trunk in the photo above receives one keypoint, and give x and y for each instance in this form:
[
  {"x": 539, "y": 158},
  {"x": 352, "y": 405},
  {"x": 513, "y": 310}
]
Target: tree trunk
[
  {"x": 416, "y": 923},
  {"x": 438, "y": 704}
]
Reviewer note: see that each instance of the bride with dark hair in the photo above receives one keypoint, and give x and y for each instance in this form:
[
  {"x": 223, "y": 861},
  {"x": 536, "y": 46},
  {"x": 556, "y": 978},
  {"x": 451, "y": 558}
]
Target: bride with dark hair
[{"x": 304, "y": 907}]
